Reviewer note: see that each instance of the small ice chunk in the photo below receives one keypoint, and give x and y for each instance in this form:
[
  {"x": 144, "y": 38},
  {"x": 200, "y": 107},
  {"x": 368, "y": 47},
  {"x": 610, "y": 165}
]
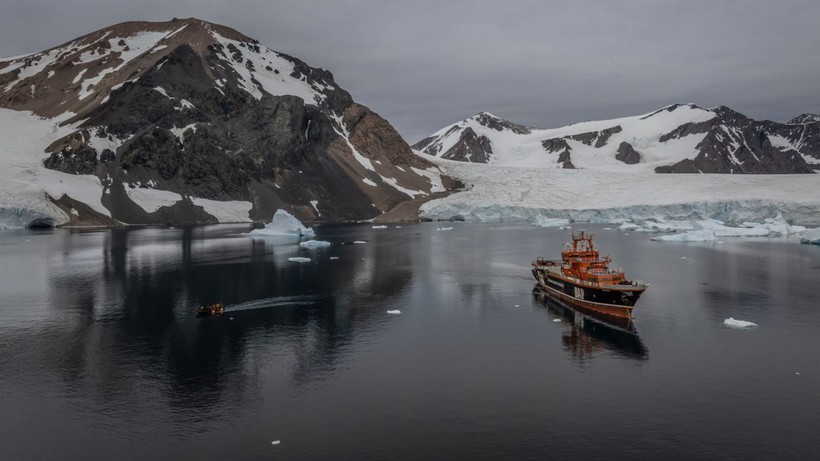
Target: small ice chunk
[
  {"x": 360, "y": 241},
  {"x": 283, "y": 223},
  {"x": 394, "y": 312},
  {"x": 379, "y": 227},
  {"x": 732, "y": 323},
  {"x": 299, "y": 259},
  {"x": 314, "y": 244}
]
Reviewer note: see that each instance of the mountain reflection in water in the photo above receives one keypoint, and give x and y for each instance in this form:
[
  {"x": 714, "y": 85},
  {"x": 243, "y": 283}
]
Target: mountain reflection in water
[{"x": 588, "y": 333}]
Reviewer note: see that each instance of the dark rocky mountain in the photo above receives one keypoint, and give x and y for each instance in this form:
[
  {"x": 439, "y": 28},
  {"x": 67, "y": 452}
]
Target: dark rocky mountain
[
  {"x": 199, "y": 111},
  {"x": 682, "y": 138}
]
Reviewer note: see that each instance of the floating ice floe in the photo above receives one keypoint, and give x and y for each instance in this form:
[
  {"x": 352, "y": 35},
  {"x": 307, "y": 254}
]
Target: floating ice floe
[
  {"x": 811, "y": 236},
  {"x": 691, "y": 236},
  {"x": 659, "y": 226},
  {"x": 314, "y": 244},
  {"x": 379, "y": 227},
  {"x": 543, "y": 221},
  {"x": 732, "y": 323},
  {"x": 396, "y": 311},
  {"x": 710, "y": 229},
  {"x": 299, "y": 259},
  {"x": 283, "y": 223}
]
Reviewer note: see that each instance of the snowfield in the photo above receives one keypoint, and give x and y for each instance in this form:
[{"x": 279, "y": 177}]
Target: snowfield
[
  {"x": 25, "y": 183},
  {"x": 520, "y": 194}
]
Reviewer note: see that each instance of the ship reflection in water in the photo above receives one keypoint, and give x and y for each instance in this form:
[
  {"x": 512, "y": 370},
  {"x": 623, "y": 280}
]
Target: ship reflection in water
[{"x": 590, "y": 333}]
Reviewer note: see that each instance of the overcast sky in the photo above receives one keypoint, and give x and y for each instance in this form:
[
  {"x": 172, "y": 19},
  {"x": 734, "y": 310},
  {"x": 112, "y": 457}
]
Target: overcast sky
[{"x": 425, "y": 64}]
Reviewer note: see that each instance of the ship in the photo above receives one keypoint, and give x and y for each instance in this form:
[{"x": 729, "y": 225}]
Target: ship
[{"x": 585, "y": 280}]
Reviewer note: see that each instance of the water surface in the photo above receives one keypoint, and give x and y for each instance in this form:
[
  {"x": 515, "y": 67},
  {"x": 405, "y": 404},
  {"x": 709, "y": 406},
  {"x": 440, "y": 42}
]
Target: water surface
[{"x": 104, "y": 357}]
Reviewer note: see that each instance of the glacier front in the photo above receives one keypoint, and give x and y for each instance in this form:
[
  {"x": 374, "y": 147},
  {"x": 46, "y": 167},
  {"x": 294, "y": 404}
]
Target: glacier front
[{"x": 522, "y": 194}]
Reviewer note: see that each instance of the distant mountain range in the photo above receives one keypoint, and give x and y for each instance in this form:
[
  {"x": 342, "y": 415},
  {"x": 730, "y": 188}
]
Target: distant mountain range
[
  {"x": 188, "y": 121},
  {"x": 681, "y": 138}
]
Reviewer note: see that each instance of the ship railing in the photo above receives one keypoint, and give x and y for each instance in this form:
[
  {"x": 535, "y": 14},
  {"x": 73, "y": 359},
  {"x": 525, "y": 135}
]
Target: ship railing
[{"x": 605, "y": 271}]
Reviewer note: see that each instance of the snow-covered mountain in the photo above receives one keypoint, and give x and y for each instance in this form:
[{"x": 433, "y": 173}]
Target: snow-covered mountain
[
  {"x": 681, "y": 138},
  {"x": 190, "y": 121}
]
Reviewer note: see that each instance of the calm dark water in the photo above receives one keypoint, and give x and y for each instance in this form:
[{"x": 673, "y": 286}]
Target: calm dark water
[{"x": 102, "y": 355}]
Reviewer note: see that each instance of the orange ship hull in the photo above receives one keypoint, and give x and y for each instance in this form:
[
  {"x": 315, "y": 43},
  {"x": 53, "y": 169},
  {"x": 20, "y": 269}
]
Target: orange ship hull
[{"x": 585, "y": 280}]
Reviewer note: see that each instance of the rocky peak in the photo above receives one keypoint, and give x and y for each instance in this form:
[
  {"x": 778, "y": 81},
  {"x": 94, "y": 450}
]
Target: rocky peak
[
  {"x": 496, "y": 123},
  {"x": 671, "y": 108},
  {"x": 202, "y": 111},
  {"x": 802, "y": 119}
]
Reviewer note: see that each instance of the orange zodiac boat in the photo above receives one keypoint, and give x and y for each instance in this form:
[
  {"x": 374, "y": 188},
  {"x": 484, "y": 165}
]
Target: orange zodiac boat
[
  {"x": 211, "y": 309},
  {"x": 585, "y": 280}
]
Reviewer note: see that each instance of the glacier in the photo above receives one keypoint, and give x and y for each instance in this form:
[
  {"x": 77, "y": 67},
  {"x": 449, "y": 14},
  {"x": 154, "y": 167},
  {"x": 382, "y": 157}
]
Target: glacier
[{"x": 521, "y": 194}]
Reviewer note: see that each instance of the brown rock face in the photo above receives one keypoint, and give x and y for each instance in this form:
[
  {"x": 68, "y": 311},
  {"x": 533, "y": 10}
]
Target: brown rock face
[{"x": 374, "y": 137}]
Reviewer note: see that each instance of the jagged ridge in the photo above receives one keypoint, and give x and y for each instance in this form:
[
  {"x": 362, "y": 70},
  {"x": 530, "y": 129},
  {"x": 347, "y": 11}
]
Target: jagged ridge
[{"x": 681, "y": 138}]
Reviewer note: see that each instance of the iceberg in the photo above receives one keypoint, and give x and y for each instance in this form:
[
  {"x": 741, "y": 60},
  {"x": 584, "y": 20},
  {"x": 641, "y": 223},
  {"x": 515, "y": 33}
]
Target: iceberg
[
  {"x": 283, "y": 223},
  {"x": 810, "y": 236},
  {"x": 732, "y": 323}
]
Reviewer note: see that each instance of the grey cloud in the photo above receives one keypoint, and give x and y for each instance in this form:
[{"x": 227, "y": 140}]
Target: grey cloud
[{"x": 425, "y": 64}]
